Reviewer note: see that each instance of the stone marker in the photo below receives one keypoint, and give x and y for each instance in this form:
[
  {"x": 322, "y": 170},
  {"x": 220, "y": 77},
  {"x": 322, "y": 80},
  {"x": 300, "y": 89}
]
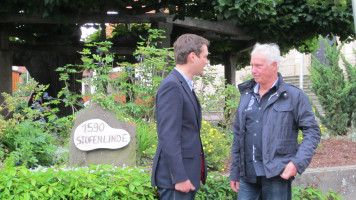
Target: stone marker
[{"x": 98, "y": 137}]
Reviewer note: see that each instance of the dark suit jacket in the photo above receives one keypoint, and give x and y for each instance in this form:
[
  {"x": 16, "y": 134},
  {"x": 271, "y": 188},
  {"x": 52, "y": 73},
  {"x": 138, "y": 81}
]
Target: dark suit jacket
[{"x": 179, "y": 149}]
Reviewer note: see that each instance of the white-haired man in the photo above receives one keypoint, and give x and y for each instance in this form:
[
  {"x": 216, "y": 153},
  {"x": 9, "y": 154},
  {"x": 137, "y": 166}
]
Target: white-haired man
[{"x": 265, "y": 151}]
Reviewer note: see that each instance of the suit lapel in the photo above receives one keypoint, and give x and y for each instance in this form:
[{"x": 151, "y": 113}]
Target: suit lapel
[
  {"x": 194, "y": 99},
  {"x": 199, "y": 107}
]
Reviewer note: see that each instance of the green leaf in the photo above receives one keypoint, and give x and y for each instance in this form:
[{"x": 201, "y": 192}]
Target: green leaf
[
  {"x": 50, "y": 191},
  {"x": 35, "y": 194},
  {"x": 43, "y": 189},
  {"x": 33, "y": 182}
]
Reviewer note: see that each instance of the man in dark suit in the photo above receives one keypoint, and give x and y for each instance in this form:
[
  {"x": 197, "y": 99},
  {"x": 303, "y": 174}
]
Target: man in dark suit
[{"x": 179, "y": 164}]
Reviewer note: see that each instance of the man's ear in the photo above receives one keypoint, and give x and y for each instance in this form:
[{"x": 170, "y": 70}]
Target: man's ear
[
  {"x": 190, "y": 57},
  {"x": 274, "y": 66}
]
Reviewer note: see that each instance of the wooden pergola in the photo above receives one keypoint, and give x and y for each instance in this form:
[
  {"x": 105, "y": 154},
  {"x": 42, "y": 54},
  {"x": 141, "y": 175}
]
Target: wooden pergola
[{"x": 52, "y": 56}]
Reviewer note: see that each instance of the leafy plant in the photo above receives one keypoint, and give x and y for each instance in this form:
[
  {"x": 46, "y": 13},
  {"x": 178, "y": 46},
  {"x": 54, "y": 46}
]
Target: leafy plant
[
  {"x": 310, "y": 193},
  {"x": 153, "y": 66},
  {"x": 109, "y": 182},
  {"x": 216, "y": 146},
  {"x": 218, "y": 98},
  {"x": 31, "y": 134},
  {"x": 217, "y": 187},
  {"x": 130, "y": 89},
  {"x": 94, "y": 182},
  {"x": 335, "y": 93},
  {"x": 147, "y": 139},
  {"x": 29, "y": 144}
]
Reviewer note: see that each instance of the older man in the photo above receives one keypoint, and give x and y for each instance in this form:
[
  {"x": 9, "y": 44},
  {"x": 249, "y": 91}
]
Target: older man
[{"x": 265, "y": 151}]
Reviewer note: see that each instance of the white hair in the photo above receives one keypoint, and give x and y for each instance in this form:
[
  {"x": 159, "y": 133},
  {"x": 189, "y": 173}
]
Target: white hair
[{"x": 270, "y": 51}]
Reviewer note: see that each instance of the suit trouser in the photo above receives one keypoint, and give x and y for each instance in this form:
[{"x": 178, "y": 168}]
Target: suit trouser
[{"x": 170, "y": 194}]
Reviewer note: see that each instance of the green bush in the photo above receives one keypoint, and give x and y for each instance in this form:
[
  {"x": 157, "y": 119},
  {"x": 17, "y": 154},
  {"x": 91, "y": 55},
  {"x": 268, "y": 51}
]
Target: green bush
[
  {"x": 335, "y": 92},
  {"x": 216, "y": 145},
  {"x": 147, "y": 139},
  {"x": 29, "y": 144},
  {"x": 95, "y": 182},
  {"x": 129, "y": 91},
  {"x": 217, "y": 187},
  {"x": 310, "y": 193},
  {"x": 32, "y": 135},
  {"x": 106, "y": 182},
  {"x": 218, "y": 98}
]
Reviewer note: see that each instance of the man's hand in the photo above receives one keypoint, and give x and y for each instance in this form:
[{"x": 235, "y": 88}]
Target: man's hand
[
  {"x": 289, "y": 171},
  {"x": 185, "y": 186},
  {"x": 234, "y": 185}
]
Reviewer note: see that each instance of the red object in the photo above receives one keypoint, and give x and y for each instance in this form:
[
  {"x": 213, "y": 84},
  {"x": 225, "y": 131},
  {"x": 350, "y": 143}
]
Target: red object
[{"x": 202, "y": 175}]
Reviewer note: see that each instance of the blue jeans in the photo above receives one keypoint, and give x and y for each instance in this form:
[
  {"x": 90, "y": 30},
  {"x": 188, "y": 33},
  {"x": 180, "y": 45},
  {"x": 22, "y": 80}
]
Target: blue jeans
[
  {"x": 274, "y": 188},
  {"x": 171, "y": 194}
]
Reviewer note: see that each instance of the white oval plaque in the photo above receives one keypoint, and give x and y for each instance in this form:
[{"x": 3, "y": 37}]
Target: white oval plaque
[{"x": 97, "y": 134}]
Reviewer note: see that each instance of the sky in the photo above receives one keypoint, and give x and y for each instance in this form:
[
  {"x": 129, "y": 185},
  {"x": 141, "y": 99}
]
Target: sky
[{"x": 87, "y": 31}]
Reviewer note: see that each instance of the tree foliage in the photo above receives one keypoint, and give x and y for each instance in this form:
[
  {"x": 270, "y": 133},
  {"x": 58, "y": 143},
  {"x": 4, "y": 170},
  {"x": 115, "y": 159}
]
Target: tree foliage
[{"x": 290, "y": 23}]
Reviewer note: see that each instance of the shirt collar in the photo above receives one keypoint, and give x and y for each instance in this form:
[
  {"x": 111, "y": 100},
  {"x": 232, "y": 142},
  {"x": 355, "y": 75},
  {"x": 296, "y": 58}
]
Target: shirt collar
[
  {"x": 189, "y": 82},
  {"x": 257, "y": 86}
]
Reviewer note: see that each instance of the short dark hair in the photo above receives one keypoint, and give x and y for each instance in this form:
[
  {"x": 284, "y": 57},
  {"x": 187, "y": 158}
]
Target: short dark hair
[{"x": 186, "y": 44}]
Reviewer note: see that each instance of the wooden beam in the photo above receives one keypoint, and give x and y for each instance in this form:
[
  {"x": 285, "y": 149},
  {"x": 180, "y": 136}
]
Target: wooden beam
[
  {"x": 222, "y": 27},
  {"x": 66, "y": 48},
  {"x": 83, "y": 19}
]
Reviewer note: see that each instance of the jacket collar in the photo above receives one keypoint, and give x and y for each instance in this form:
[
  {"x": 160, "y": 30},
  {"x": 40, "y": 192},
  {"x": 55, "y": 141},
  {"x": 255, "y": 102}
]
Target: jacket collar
[{"x": 248, "y": 85}]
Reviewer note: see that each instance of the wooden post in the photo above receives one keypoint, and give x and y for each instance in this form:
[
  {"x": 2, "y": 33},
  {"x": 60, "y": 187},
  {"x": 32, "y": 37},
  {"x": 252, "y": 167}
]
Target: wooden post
[
  {"x": 5, "y": 66},
  {"x": 230, "y": 60},
  {"x": 167, "y": 27}
]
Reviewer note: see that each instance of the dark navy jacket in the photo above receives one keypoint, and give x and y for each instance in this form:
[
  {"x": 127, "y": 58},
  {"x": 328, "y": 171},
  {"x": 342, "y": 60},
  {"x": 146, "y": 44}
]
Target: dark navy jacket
[
  {"x": 179, "y": 149},
  {"x": 287, "y": 111}
]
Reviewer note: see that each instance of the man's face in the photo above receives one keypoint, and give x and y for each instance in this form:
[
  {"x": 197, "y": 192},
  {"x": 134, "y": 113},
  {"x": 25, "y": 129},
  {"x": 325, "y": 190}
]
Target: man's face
[
  {"x": 201, "y": 61},
  {"x": 262, "y": 72}
]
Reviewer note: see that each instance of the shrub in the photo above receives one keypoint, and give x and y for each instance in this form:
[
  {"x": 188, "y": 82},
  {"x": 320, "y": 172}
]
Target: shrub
[
  {"x": 106, "y": 182},
  {"x": 94, "y": 182},
  {"x": 129, "y": 91},
  {"x": 29, "y": 144},
  {"x": 217, "y": 97},
  {"x": 335, "y": 93},
  {"x": 217, "y": 187},
  {"x": 147, "y": 139},
  {"x": 216, "y": 145},
  {"x": 310, "y": 193},
  {"x": 29, "y": 134}
]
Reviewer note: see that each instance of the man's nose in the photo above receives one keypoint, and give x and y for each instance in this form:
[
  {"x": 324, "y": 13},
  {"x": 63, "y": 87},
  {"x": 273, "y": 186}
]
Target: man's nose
[{"x": 253, "y": 69}]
